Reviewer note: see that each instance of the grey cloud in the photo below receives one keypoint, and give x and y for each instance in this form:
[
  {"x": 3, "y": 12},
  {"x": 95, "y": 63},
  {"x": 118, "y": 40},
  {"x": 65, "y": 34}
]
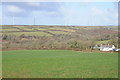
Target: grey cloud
[{"x": 28, "y": 7}]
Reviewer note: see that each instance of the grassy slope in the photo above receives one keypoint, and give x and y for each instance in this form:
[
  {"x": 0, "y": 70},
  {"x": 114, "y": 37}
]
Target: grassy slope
[
  {"x": 103, "y": 42},
  {"x": 59, "y": 64}
]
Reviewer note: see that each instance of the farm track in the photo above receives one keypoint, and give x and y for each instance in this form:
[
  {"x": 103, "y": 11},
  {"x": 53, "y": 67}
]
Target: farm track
[
  {"x": 58, "y": 30},
  {"x": 45, "y": 32}
]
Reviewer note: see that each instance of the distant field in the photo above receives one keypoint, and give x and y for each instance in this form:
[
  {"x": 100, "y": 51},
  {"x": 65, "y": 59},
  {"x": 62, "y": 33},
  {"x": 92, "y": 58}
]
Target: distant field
[
  {"x": 59, "y": 64},
  {"x": 36, "y": 30},
  {"x": 55, "y": 30},
  {"x": 29, "y": 33}
]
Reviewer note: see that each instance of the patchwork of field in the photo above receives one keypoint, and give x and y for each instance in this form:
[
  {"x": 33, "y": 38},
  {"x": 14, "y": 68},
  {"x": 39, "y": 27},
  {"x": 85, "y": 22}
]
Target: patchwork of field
[
  {"x": 36, "y": 30},
  {"x": 54, "y": 30},
  {"x": 59, "y": 64}
]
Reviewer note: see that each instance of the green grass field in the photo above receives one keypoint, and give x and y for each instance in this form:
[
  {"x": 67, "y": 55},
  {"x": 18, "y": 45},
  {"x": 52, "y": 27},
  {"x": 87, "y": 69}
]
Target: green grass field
[{"x": 59, "y": 64}]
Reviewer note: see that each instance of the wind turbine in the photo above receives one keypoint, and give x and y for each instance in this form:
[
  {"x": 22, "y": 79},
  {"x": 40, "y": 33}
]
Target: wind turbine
[
  {"x": 34, "y": 20},
  {"x": 13, "y": 20}
]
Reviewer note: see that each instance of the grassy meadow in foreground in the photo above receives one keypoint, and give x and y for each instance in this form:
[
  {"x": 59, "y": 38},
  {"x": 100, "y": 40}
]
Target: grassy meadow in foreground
[{"x": 59, "y": 64}]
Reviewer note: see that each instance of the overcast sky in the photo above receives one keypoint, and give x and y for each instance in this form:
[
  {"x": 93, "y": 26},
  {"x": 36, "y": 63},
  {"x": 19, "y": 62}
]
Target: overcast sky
[{"x": 59, "y": 13}]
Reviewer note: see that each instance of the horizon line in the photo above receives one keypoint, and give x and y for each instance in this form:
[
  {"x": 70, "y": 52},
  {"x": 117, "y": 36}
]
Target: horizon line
[{"x": 59, "y": 25}]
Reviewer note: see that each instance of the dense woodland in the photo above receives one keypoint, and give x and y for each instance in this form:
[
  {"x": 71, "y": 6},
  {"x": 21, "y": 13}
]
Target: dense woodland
[{"x": 76, "y": 37}]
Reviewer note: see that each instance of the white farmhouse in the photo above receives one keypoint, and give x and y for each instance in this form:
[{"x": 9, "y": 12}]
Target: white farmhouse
[{"x": 107, "y": 47}]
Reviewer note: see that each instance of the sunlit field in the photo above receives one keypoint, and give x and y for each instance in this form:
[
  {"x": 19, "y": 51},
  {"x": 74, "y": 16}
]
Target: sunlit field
[{"x": 59, "y": 64}]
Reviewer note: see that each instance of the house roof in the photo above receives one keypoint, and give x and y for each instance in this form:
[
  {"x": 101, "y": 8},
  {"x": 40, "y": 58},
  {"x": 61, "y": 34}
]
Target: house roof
[{"x": 106, "y": 46}]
